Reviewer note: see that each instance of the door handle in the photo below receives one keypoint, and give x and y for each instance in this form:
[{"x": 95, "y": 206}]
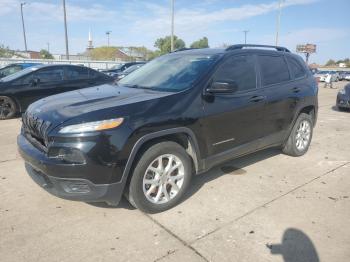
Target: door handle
[
  {"x": 296, "y": 89},
  {"x": 256, "y": 99}
]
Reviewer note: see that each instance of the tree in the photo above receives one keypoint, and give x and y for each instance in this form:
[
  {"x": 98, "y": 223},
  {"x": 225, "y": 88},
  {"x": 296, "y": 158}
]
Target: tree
[
  {"x": 201, "y": 43},
  {"x": 5, "y": 52},
  {"x": 164, "y": 44},
  {"x": 44, "y": 54},
  {"x": 103, "y": 53},
  {"x": 330, "y": 62}
]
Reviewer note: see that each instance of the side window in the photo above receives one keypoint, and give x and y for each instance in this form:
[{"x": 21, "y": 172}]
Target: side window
[
  {"x": 49, "y": 74},
  {"x": 274, "y": 70},
  {"x": 77, "y": 73},
  {"x": 93, "y": 74},
  {"x": 238, "y": 69},
  {"x": 297, "y": 69}
]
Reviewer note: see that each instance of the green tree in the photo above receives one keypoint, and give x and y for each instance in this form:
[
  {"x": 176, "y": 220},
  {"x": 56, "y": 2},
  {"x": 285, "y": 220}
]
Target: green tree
[
  {"x": 201, "y": 43},
  {"x": 44, "y": 54},
  {"x": 330, "y": 62},
  {"x": 5, "y": 52},
  {"x": 164, "y": 44},
  {"x": 103, "y": 53}
]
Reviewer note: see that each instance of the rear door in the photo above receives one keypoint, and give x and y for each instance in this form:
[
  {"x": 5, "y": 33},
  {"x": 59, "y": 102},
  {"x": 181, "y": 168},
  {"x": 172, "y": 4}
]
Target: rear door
[
  {"x": 281, "y": 97},
  {"x": 234, "y": 120}
]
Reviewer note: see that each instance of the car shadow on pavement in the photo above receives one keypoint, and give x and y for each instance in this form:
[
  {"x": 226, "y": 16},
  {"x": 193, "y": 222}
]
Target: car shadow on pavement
[
  {"x": 232, "y": 167},
  {"x": 335, "y": 108},
  {"x": 296, "y": 246},
  {"x": 122, "y": 204}
]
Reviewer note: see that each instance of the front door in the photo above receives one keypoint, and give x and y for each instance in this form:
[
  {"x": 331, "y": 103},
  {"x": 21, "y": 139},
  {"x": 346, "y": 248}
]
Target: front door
[{"x": 234, "y": 121}]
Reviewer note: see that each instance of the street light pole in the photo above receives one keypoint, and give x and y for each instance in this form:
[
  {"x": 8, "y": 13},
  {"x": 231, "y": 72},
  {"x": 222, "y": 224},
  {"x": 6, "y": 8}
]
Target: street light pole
[
  {"x": 278, "y": 20},
  {"x": 65, "y": 28},
  {"x": 172, "y": 24},
  {"x": 24, "y": 30},
  {"x": 108, "y": 33},
  {"x": 48, "y": 47},
  {"x": 245, "y": 36}
]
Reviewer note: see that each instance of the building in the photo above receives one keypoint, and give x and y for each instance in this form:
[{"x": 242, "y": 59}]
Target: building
[
  {"x": 342, "y": 65},
  {"x": 28, "y": 54}
]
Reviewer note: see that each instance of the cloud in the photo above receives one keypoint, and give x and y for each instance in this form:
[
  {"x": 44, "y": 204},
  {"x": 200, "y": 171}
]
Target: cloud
[
  {"x": 199, "y": 18},
  {"x": 46, "y": 11}
]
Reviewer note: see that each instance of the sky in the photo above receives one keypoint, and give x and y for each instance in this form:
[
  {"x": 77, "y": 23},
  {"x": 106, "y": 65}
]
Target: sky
[{"x": 140, "y": 22}]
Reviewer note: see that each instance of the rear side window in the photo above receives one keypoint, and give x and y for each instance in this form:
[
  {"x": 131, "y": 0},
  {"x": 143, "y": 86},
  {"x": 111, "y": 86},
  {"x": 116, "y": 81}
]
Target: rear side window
[
  {"x": 238, "y": 69},
  {"x": 77, "y": 73},
  {"x": 49, "y": 74},
  {"x": 296, "y": 68},
  {"x": 274, "y": 70}
]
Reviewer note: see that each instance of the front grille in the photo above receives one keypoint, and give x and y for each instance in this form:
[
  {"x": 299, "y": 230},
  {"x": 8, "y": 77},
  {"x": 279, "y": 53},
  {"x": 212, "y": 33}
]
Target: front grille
[{"x": 35, "y": 128}]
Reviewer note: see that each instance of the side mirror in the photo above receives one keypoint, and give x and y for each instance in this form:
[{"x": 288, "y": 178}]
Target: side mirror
[
  {"x": 222, "y": 88},
  {"x": 35, "y": 82}
]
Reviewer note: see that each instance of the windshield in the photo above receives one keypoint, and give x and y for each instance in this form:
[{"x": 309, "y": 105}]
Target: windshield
[
  {"x": 19, "y": 74},
  {"x": 132, "y": 68},
  {"x": 173, "y": 72},
  {"x": 116, "y": 67}
]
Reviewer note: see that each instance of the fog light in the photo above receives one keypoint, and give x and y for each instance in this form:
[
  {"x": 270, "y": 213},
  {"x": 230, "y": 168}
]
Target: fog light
[
  {"x": 71, "y": 155},
  {"x": 76, "y": 187}
]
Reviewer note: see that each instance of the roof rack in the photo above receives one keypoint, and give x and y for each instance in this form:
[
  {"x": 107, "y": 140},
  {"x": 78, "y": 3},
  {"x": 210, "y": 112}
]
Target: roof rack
[
  {"x": 241, "y": 46},
  {"x": 183, "y": 49}
]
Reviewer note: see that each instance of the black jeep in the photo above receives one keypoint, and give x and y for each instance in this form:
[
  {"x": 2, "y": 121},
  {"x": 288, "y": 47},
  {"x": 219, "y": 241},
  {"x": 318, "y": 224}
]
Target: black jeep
[{"x": 178, "y": 115}]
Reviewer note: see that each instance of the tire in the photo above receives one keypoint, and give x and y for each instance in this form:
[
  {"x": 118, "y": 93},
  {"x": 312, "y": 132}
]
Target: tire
[
  {"x": 8, "y": 108},
  {"x": 299, "y": 141},
  {"x": 150, "y": 197}
]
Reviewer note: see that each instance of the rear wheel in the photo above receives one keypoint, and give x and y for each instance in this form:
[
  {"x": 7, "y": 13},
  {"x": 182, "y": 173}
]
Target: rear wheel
[
  {"x": 300, "y": 138},
  {"x": 8, "y": 107},
  {"x": 160, "y": 178}
]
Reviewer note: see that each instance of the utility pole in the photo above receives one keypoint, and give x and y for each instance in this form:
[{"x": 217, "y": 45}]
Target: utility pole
[
  {"x": 172, "y": 24},
  {"x": 65, "y": 28},
  {"x": 108, "y": 33},
  {"x": 278, "y": 20},
  {"x": 48, "y": 47},
  {"x": 24, "y": 30},
  {"x": 245, "y": 36}
]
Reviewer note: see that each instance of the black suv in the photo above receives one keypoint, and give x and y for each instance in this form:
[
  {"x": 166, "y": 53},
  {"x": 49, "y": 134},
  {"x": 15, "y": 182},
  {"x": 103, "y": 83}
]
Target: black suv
[{"x": 178, "y": 115}]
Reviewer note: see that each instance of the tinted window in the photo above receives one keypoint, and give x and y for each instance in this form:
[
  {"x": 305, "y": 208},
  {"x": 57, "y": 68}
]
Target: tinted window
[
  {"x": 77, "y": 73},
  {"x": 94, "y": 74},
  {"x": 239, "y": 69},
  {"x": 297, "y": 69},
  {"x": 49, "y": 74},
  {"x": 274, "y": 70}
]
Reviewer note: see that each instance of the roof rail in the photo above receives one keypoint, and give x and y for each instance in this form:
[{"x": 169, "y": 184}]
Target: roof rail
[
  {"x": 241, "y": 46},
  {"x": 183, "y": 49}
]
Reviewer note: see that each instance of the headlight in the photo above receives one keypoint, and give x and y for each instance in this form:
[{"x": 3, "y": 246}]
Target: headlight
[
  {"x": 92, "y": 126},
  {"x": 342, "y": 92}
]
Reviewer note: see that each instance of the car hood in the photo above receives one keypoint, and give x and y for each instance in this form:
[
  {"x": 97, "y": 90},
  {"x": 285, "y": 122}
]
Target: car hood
[{"x": 103, "y": 100}]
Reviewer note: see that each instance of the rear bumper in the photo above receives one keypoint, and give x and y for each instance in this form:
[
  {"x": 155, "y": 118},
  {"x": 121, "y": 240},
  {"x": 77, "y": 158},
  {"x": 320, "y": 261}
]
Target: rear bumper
[{"x": 43, "y": 170}]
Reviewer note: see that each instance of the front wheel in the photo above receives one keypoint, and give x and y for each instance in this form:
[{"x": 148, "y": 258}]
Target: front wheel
[
  {"x": 7, "y": 107},
  {"x": 160, "y": 177},
  {"x": 300, "y": 137}
]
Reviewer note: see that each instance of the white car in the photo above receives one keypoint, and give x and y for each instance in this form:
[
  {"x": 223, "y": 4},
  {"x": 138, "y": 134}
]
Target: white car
[{"x": 321, "y": 75}]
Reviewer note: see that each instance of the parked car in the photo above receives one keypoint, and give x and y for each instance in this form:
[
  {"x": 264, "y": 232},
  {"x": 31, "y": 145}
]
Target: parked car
[
  {"x": 127, "y": 71},
  {"x": 347, "y": 76},
  {"x": 20, "y": 89},
  {"x": 321, "y": 75},
  {"x": 14, "y": 68},
  {"x": 181, "y": 113},
  {"x": 119, "y": 68},
  {"x": 343, "y": 98}
]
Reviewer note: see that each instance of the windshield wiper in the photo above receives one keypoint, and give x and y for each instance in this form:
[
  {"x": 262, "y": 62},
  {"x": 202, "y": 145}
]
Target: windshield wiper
[{"x": 137, "y": 86}]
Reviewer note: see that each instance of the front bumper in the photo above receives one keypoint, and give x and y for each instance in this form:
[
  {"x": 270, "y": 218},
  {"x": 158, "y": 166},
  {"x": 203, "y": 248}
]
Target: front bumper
[
  {"x": 343, "y": 101},
  {"x": 43, "y": 170}
]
